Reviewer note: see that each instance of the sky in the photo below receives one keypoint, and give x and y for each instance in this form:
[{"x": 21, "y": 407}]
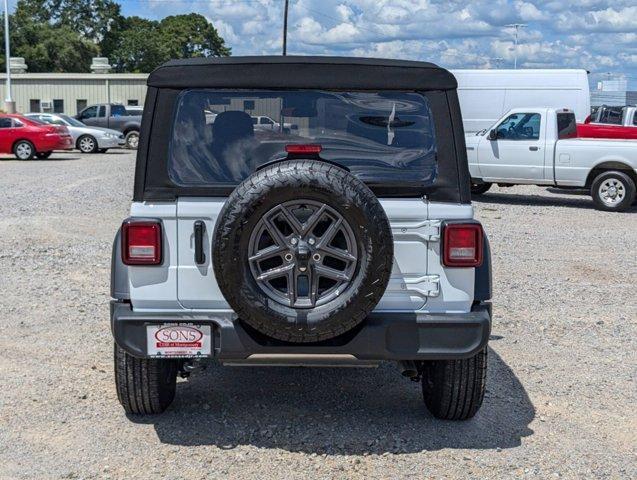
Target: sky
[{"x": 597, "y": 35}]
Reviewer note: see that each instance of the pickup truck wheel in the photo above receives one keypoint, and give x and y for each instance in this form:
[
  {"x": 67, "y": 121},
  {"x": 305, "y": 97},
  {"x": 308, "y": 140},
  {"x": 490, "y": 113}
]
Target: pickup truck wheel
[
  {"x": 454, "y": 389},
  {"x": 132, "y": 140},
  {"x": 24, "y": 150},
  {"x": 480, "y": 188},
  {"x": 43, "y": 155},
  {"x": 302, "y": 251},
  {"x": 87, "y": 144},
  {"x": 613, "y": 191},
  {"x": 144, "y": 385}
]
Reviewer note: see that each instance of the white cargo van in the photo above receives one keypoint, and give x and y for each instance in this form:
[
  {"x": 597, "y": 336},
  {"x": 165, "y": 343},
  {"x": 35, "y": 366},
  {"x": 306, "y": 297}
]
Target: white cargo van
[{"x": 485, "y": 95}]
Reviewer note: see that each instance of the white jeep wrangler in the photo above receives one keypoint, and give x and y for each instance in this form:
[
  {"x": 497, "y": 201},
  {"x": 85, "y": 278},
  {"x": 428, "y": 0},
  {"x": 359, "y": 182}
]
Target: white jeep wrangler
[{"x": 348, "y": 242}]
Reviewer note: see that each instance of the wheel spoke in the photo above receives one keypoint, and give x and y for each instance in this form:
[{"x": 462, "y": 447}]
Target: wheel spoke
[
  {"x": 337, "y": 253},
  {"x": 313, "y": 287},
  {"x": 275, "y": 272},
  {"x": 327, "y": 237},
  {"x": 292, "y": 220},
  {"x": 311, "y": 222},
  {"x": 274, "y": 232},
  {"x": 327, "y": 272},
  {"x": 292, "y": 287},
  {"x": 269, "y": 252}
]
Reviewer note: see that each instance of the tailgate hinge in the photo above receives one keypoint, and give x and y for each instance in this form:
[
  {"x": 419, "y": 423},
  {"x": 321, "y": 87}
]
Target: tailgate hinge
[
  {"x": 427, "y": 230},
  {"x": 426, "y": 285}
]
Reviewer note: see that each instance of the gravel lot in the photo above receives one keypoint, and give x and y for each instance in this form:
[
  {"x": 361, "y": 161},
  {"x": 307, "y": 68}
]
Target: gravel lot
[{"x": 562, "y": 386}]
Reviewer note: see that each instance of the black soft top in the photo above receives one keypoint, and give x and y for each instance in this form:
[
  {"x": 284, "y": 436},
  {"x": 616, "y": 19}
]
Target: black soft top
[{"x": 278, "y": 72}]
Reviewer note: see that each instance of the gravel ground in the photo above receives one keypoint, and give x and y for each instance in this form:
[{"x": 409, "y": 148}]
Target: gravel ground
[{"x": 562, "y": 370}]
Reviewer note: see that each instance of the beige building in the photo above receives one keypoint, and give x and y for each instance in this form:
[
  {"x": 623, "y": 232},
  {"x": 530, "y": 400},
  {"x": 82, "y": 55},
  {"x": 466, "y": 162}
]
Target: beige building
[{"x": 71, "y": 92}]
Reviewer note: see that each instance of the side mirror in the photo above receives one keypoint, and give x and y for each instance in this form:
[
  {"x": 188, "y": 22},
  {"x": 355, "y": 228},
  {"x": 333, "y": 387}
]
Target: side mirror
[{"x": 493, "y": 135}]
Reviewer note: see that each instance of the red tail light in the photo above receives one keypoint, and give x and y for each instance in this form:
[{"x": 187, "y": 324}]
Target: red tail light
[
  {"x": 462, "y": 245},
  {"x": 303, "y": 148},
  {"x": 141, "y": 242}
]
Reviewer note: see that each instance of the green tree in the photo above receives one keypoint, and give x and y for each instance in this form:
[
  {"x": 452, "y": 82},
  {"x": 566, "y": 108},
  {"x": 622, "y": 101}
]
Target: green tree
[
  {"x": 136, "y": 47},
  {"x": 49, "y": 49},
  {"x": 191, "y": 35},
  {"x": 141, "y": 45},
  {"x": 64, "y": 35},
  {"x": 92, "y": 19}
]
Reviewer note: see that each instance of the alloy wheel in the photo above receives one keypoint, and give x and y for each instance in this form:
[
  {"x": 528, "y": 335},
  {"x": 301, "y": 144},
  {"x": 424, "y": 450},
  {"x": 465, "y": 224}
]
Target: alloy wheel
[
  {"x": 87, "y": 144},
  {"x": 612, "y": 191},
  {"x": 303, "y": 254}
]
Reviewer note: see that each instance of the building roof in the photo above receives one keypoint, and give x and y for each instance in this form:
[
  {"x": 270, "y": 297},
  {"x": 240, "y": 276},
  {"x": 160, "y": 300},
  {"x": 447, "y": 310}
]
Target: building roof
[{"x": 302, "y": 72}]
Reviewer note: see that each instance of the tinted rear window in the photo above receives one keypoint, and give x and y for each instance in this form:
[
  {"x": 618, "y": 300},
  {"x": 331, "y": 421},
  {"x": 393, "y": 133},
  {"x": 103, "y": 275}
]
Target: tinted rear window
[
  {"x": 382, "y": 137},
  {"x": 566, "y": 125}
]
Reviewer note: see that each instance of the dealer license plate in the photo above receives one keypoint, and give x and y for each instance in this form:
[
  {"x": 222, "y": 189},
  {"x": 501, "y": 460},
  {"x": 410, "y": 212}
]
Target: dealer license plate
[{"x": 178, "y": 340}]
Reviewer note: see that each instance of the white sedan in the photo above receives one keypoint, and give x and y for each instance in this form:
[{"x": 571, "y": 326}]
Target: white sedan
[{"x": 86, "y": 139}]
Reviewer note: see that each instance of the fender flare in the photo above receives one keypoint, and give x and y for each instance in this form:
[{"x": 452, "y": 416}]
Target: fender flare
[{"x": 119, "y": 272}]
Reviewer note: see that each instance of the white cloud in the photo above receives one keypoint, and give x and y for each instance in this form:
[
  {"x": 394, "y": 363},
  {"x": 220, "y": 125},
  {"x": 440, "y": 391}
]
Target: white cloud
[{"x": 598, "y": 35}]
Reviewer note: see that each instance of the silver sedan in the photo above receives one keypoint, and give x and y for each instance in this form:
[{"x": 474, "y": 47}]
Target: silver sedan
[{"x": 86, "y": 139}]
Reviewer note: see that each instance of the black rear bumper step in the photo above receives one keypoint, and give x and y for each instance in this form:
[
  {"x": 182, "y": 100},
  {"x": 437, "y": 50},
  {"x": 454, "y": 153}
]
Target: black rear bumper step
[{"x": 382, "y": 336}]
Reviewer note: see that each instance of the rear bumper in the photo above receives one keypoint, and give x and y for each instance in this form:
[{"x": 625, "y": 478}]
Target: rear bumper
[
  {"x": 55, "y": 143},
  {"x": 383, "y": 336}
]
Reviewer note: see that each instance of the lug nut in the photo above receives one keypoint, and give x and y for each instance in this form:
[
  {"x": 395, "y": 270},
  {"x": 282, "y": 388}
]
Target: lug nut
[
  {"x": 316, "y": 257},
  {"x": 288, "y": 257},
  {"x": 311, "y": 241},
  {"x": 294, "y": 241}
]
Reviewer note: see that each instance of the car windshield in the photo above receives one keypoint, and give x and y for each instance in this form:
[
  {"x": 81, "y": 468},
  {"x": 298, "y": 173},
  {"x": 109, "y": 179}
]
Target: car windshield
[
  {"x": 72, "y": 121},
  {"x": 381, "y": 137}
]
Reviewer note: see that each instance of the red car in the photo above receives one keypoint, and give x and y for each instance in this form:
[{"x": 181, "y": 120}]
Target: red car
[
  {"x": 27, "y": 138},
  {"x": 604, "y": 130}
]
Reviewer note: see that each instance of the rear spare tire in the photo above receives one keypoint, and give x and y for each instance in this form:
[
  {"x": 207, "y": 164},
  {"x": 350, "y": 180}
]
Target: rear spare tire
[{"x": 302, "y": 251}]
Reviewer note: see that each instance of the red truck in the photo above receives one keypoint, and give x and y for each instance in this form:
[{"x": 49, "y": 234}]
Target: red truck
[
  {"x": 27, "y": 138},
  {"x": 610, "y": 122}
]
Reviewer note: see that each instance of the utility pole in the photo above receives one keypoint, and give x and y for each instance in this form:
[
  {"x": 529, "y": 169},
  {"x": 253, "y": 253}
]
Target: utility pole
[
  {"x": 9, "y": 104},
  {"x": 517, "y": 27},
  {"x": 285, "y": 28}
]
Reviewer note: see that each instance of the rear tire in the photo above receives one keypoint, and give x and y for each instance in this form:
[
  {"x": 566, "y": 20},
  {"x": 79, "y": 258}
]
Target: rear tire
[
  {"x": 480, "y": 188},
  {"x": 43, "y": 155},
  {"x": 613, "y": 191},
  {"x": 24, "y": 150},
  {"x": 454, "y": 389},
  {"x": 144, "y": 385}
]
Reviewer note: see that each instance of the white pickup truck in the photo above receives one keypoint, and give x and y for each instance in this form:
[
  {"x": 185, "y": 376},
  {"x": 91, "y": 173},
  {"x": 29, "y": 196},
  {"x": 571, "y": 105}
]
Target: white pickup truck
[{"x": 537, "y": 146}]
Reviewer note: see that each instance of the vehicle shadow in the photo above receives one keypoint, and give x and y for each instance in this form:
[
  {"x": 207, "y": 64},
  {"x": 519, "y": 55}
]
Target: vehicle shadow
[
  {"x": 336, "y": 411},
  {"x": 574, "y": 200}
]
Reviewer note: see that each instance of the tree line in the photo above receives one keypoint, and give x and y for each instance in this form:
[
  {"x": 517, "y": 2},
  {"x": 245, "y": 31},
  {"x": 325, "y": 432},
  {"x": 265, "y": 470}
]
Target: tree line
[{"x": 64, "y": 36}]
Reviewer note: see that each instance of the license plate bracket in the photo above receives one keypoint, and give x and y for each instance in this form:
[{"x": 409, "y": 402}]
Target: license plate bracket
[{"x": 178, "y": 340}]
